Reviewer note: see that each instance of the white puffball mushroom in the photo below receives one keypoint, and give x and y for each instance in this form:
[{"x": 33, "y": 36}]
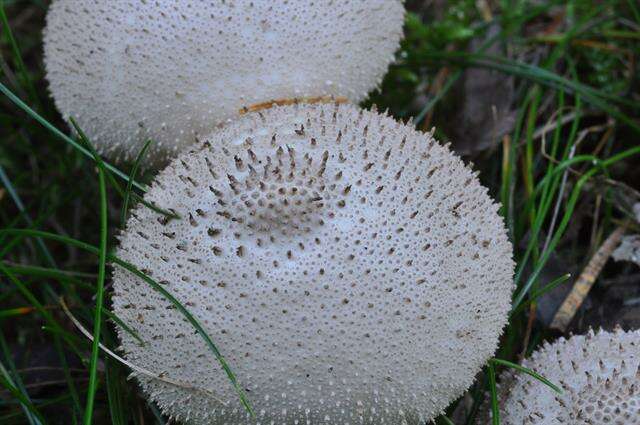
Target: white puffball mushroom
[
  {"x": 128, "y": 71},
  {"x": 599, "y": 374},
  {"x": 349, "y": 268}
]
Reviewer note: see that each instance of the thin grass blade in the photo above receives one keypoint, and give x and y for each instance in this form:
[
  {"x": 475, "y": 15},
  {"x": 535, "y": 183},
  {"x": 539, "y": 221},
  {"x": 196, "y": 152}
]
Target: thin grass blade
[
  {"x": 97, "y": 319},
  {"x": 132, "y": 177},
  {"x": 528, "y": 372},
  {"x": 493, "y": 389}
]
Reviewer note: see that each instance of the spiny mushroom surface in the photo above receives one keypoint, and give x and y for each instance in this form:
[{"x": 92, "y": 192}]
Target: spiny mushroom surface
[
  {"x": 350, "y": 268},
  {"x": 130, "y": 70},
  {"x": 599, "y": 374}
]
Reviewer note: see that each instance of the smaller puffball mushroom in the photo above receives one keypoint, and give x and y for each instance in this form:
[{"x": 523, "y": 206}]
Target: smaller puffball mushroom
[
  {"x": 130, "y": 70},
  {"x": 350, "y": 269},
  {"x": 599, "y": 374}
]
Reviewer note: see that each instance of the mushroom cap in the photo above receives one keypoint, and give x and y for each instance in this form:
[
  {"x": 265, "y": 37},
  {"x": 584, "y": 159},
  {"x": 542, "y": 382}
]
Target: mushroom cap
[
  {"x": 128, "y": 71},
  {"x": 599, "y": 374},
  {"x": 349, "y": 268}
]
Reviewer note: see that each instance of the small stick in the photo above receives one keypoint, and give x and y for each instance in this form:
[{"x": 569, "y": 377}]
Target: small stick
[{"x": 587, "y": 278}]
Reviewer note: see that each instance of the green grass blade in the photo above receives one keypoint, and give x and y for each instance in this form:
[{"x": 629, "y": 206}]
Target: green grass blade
[
  {"x": 634, "y": 10},
  {"x": 132, "y": 177},
  {"x": 57, "y": 274},
  {"x": 540, "y": 292},
  {"x": 156, "y": 414},
  {"x": 123, "y": 325},
  {"x": 446, "y": 420},
  {"x": 528, "y": 372},
  {"x": 493, "y": 388},
  {"x": 97, "y": 319},
  {"x": 167, "y": 213}
]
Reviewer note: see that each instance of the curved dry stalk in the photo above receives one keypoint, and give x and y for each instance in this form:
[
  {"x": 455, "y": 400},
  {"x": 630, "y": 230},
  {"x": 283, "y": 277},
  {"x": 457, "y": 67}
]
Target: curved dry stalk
[{"x": 133, "y": 367}]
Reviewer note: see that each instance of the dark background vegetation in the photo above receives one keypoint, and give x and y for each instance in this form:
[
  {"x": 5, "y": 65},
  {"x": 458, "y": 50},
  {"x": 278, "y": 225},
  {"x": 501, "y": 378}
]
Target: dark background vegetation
[{"x": 542, "y": 96}]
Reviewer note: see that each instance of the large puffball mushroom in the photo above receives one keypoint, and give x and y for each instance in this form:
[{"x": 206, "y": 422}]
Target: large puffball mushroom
[
  {"x": 599, "y": 374},
  {"x": 350, "y": 268},
  {"x": 128, "y": 71}
]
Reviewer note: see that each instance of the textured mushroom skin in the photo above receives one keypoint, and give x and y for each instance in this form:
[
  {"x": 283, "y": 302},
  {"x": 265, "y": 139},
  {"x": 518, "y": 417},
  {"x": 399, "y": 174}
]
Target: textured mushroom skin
[
  {"x": 599, "y": 374},
  {"x": 130, "y": 70},
  {"x": 350, "y": 268}
]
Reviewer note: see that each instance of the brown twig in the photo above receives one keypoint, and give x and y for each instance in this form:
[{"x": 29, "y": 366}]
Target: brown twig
[{"x": 587, "y": 278}]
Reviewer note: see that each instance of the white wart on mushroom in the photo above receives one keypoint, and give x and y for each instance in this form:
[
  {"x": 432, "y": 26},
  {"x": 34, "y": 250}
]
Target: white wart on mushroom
[
  {"x": 349, "y": 267},
  {"x": 599, "y": 374},
  {"x": 129, "y": 71}
]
